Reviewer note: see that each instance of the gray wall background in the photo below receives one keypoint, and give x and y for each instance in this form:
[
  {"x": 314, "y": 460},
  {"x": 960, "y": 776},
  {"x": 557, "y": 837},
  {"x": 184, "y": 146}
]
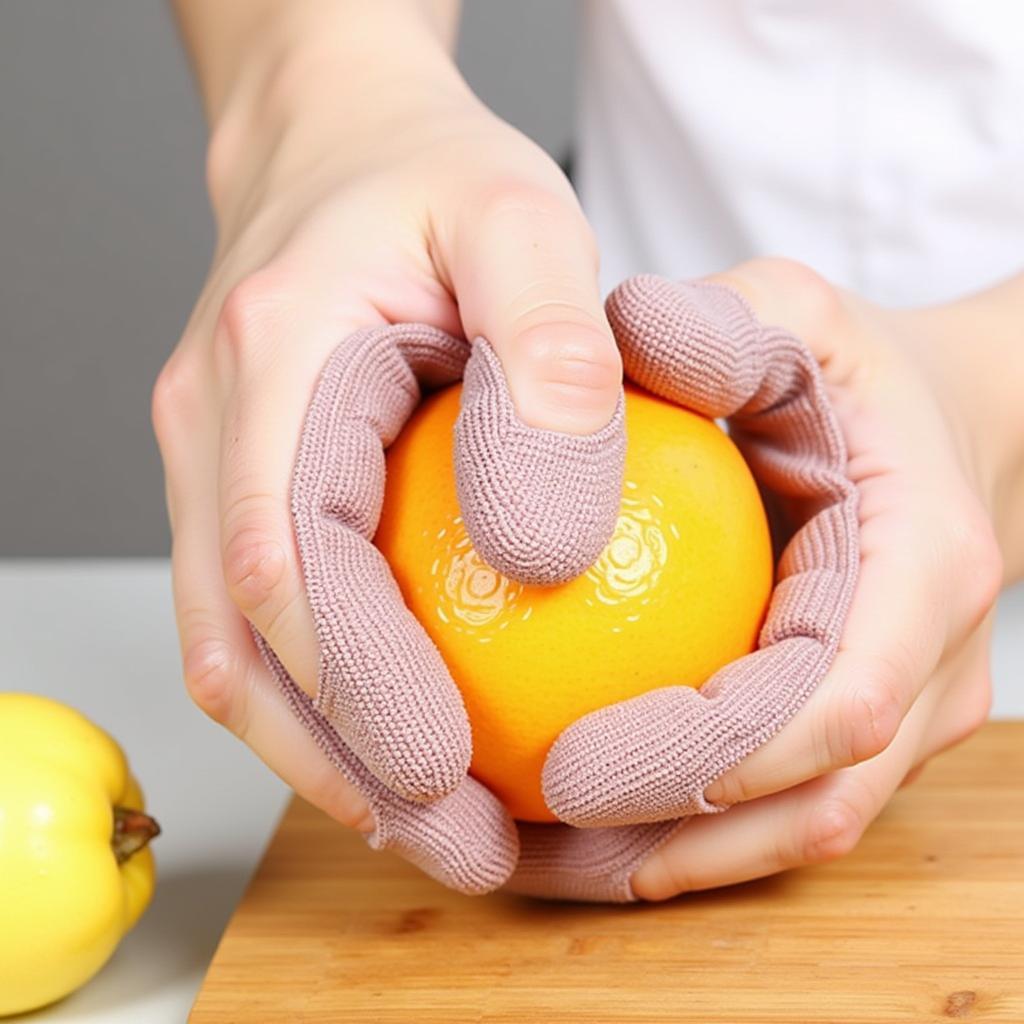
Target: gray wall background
[{"x": 105, "y": 238}]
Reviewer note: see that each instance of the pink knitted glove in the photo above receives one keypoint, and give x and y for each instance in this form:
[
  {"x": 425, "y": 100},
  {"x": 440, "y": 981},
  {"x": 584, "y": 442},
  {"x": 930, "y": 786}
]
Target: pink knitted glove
[
  {"x": 386, "y": 711},
  {"x": 651, "y": 758},
  {"x": 593, "y": 865}
]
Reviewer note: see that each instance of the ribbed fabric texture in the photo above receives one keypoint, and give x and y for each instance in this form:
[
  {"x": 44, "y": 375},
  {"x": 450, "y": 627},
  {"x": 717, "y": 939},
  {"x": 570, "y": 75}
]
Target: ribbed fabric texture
[
  {"x": 651, "y": 758},
  {"x": 539, "y": 506},
  {"x": 387, "y": 712},
  {"x": 517, "y": 483},
  {"x": 383, "y": 685},
  {"x": 559, "y": 862},
  {"x": 466, "y": 840}
]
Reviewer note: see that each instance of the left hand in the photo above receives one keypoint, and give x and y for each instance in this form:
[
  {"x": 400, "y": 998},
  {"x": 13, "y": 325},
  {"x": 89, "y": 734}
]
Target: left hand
[{"x": 912, "y": 673}]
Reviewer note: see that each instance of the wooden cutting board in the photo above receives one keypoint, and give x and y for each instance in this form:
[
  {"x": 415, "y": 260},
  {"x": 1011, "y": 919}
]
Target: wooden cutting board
[{"x": 923, "y": 922}]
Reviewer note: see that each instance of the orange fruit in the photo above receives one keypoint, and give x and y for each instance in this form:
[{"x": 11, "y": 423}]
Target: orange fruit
[{"x": 679, "y": 591}]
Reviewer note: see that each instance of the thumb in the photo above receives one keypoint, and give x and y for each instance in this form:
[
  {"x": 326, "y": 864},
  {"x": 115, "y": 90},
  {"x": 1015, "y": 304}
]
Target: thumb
[
  {"x": 526, "y": 280},
  {"x": 540, "y": 440}
]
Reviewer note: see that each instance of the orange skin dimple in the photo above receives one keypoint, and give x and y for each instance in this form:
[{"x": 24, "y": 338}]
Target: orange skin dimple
[{"x": 680, "y": 590}]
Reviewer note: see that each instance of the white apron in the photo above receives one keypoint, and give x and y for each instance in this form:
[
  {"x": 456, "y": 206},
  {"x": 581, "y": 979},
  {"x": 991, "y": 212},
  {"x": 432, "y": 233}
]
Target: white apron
[{"x": 880, "y": 142}]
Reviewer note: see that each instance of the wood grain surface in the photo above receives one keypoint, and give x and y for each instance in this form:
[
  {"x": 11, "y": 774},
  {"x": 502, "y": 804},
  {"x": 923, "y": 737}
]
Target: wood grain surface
[{"x": 923, "y": 922}]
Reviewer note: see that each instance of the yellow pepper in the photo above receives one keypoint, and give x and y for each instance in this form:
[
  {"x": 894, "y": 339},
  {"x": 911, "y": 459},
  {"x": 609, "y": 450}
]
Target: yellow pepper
[{"x": 75, "y": 871}]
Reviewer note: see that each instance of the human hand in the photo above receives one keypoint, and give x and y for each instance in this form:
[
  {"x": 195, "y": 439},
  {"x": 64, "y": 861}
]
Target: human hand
[
  {"x": 425, "y": 208},
  {"x": 911, "y": 674}
]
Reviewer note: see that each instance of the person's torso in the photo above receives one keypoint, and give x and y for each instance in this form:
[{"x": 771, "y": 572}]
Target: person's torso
[{"x": 881, "y": 143}]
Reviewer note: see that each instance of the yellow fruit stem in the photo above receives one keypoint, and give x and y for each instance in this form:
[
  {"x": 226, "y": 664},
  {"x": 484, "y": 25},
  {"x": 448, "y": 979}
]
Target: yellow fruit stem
[{"x": 132, "y": 831}]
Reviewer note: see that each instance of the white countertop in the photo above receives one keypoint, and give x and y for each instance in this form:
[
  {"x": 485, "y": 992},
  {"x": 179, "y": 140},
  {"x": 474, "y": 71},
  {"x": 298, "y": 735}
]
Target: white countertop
[{"x": 100, "y": 635}]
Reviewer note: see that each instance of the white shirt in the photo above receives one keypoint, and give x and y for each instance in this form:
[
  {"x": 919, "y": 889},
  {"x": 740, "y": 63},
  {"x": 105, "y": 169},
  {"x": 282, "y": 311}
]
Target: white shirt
[{"x": 880, "y": 142}]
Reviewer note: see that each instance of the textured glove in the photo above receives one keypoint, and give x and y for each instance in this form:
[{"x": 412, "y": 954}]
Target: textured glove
[
  {"x": 386, "y": 710},
  {"x": 651, "y": 758},
  {"x": 642, "y": 761}
]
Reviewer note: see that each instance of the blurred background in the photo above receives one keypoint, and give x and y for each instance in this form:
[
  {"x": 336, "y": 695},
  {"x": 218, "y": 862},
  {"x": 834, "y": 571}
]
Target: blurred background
[{"x": 105, "y": 239}]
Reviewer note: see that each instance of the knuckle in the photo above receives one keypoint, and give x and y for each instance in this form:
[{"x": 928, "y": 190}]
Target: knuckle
[
  {"x": 573, "y": 356},
  {"x": 221, "y": 156},
  {"x": 983, "y": 569},
  {"x": 872, "y": 719},
  {"x": 662, "y": 876},
  {"x": 514, "y": 200},
  {"x": 795, "y": 276},
  {"x": 287, "y": 606},
  {"x": 973, "y": 708},
  {"x": 835, "y": 828},
  {"x": 251, "y": 313},
  {"x": 980, "y": 706},
  {"x": 215, "y": 166},
  {"x": 549, "y": 219},
  {"x": 210, "y": 679},
  {"x": 588, "y": 241},
  {"x": 785, "y": 271},
  {"x": 821, "y": 305},
  {"x": 174, "y": 397},
  {"x": 362, "y": 820},
  {"x": 253, "y": 564},
  {"x": 333, "y": 793},
  {"x": 732, "y": 788},
  {"x": 563, "y": 350}
]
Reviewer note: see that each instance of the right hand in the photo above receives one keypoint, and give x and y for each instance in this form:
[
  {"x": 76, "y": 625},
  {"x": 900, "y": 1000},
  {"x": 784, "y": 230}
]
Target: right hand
[{"x": 341, "y": 207}]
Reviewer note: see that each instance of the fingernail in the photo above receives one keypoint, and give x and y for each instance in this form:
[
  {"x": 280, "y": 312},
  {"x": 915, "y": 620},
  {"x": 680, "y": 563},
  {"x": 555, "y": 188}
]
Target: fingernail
[
  {"x": 715, "y": 793},
  {"x": 366, "y": 822}
]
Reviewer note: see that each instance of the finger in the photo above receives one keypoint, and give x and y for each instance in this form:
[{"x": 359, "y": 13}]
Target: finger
[
  {"x": 891, "y": 646},
  {"x": 541, "y": 429},
  {"x": 965, "y": 681},
  {"x": 268, "y": 381},
  {"x": 525, "y": 274},
  {"x": 913, "y": 775},
  {"x": 898, "y": 622},
  {"x": 466, "y": 839},
  {"x": 699, "y": 344},
  {"x": 592, "y": 865},
  {"x": 818, "y": 821},
  {"x": 222, "y": 673},
  {"x": 359, "y": 652},
  {"x": 381, "y": 683},
  {"x": 274, "y": 333}
]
